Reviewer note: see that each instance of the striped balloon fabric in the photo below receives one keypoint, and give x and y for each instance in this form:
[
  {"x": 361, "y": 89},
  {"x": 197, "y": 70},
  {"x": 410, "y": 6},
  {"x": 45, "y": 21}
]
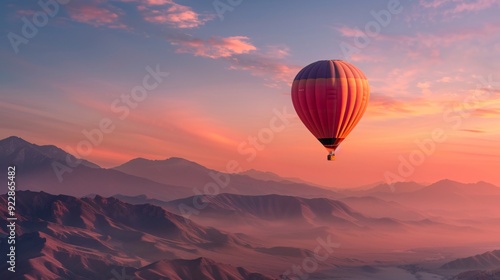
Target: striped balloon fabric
[{"x": 330, "y": 97}]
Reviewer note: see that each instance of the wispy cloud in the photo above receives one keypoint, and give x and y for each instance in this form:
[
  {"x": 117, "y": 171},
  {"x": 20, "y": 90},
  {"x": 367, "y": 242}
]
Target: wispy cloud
[
  {"x": 213, "y": 47},
  {"x": 429, "y": 58},
  {"x": 430, "y": 45},
  {"x": 158, "y": 2},
  {"x": 385, "y": 105},
  {"x": 473, "y": 130},
  {"x": 434, "y": 40},
  {"x": 366, "y": 57},
  {"x": 275, "y": 71},
  {"x": 445, "y": 10},
  {"x": 445, "y": 79},
  {"x": 478, "y": 5},
  {"x": 268, "y": 62},
  {"x": 277, "y": 51},
  {"x": 167, "y": 12},
  {"x": 487, "y": 112},
  {"x": 424, "y": 87},
  {"x": 97, "y": 16},
  {"x": 173, "y": 14},
  {"x": 432, "y": 3},
  {"x": 347, "y": 31}
]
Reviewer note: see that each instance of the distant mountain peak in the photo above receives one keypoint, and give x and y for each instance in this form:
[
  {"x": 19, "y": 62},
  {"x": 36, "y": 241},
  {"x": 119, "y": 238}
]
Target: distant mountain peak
[
  {"x": 12, "y": 143},
  {"x": 445, "y": 181},
  {"x": 16, "y": 150},
  {"x": 490, "y": 259},
  {"x": 262, "y": 175},
  {"x": 253, "y": 170},
  {"x": 451, "y": 184},
  {"x": 14, "y": 138},
  {"x": 171, "y": 160},
  {"x": 274, "y": 207},
  {"x": 271, "y": 176},
  {"x": 176, "y": 159},
  {"x": 398, "y": 187}
]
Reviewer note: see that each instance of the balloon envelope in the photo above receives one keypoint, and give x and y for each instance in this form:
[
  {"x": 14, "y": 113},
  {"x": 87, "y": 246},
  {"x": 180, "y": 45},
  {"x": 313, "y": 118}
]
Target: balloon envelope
[{"x": 330, "y": 97}]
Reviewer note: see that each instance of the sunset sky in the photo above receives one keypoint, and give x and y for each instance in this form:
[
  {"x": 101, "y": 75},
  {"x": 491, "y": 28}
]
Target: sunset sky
[{"x": 434, "y": 65}]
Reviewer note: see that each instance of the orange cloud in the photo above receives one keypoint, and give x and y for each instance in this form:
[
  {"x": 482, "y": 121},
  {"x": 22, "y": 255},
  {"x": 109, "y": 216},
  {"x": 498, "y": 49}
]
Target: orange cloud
[
  {"x": 487, "y": 112},
  {"x": 383, "y": 105},
  {"x": 473, "y": 130},
  {"x": 387, "y": 107},
  {"x": 178, "y": 119},
  {"x": 214, "y": 47},
  {"x": 390, "y": 107}
]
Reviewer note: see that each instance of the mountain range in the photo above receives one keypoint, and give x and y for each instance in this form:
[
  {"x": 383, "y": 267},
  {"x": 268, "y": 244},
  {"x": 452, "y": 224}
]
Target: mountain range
[
  {"x": 88, "y": 238},
  {"x": 154, "y": 219},
  {"x": 46, "y": 168},
  {"x": 191, "y": 175}
]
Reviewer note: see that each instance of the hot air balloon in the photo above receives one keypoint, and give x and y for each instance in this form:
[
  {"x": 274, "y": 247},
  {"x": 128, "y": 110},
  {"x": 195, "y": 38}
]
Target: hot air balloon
[{"x": 330, "y": 97}]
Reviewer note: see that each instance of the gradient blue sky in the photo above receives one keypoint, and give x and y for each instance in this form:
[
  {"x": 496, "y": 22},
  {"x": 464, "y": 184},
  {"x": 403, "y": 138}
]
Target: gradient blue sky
[{"x": 227, "y": 76}]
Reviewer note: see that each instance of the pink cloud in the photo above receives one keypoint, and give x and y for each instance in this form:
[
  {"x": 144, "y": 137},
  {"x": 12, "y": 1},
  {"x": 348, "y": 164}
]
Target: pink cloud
[
  {"x": 473, "y": 6},
  {"x": 454, "y": 8},
  {"x": 433, "y": 3},
  {"x": 424, "y": 87},
  {"x": 433, "y": 64},
  {"x": 97, "y": 16},
  {"x": 214, "y": 47},
  {"x": 366, "y": 57},
  {"x": 158, "y": 2},
  {"x": 420, "y": 45},
  {"x": 445, "y": 79},
  {"x": 430, "y": 45},
  {"x": 395, "y": 81},
  {"x": 349, "y": 31},
  {"x": 449, "y": 9},
  {"x": 242, "y": 55},
  {"x": 277, "y": 51},
  {"x": 274, "y": 71},
  {"x": 173, "y": 14}
]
